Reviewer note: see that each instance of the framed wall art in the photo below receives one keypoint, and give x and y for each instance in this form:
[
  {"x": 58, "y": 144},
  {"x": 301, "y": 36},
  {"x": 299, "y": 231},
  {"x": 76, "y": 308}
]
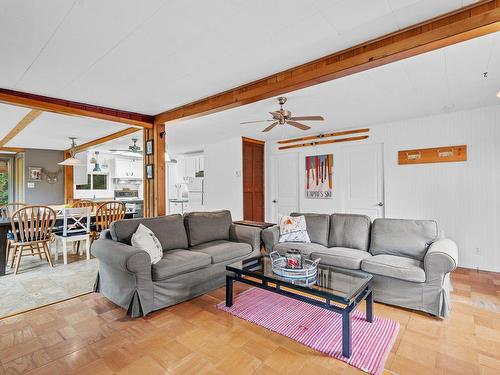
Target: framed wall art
[{"x": 319, "y": 176}]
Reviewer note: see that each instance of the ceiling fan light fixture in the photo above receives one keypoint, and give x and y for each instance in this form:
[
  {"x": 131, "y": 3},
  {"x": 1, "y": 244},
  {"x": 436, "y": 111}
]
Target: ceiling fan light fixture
[
  {"x": 498, "y": 94},
  {"x": 71, "y": 161}
]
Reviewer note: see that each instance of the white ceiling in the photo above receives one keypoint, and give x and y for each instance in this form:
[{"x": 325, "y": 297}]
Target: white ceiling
[
  {"x": 442, "y": 80},
  {"x": 51, "y": 130},
  {"x": 149, "y": 56}
]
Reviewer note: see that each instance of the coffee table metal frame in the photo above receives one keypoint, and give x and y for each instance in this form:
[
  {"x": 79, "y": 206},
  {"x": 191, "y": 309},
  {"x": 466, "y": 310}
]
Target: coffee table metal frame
[{"x": 364, "y": 293}]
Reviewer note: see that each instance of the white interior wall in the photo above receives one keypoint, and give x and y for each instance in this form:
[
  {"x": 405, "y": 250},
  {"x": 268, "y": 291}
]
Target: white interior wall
[
  {"x": 223, "y": 182},
  {"x": 462, "y": 197}
]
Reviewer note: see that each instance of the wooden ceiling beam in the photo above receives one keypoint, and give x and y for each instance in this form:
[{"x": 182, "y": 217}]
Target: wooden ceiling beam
[
  {"x": 11, "y": 149},
  {"x": 21, "y": 125},
  {"x": 70, "y": 108},
  {"x": 467, "y": 23},
  {"x": 107, "y": 138}
]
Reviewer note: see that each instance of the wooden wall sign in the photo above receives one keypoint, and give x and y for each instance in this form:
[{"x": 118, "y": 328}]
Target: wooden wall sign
[{"x": 445, "y": 154}]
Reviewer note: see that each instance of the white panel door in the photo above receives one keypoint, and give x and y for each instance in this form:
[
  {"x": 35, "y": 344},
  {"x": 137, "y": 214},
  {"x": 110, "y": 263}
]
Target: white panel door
[
  {"x": 285, "y": 197},
  {"x": 365, "y": 180}
]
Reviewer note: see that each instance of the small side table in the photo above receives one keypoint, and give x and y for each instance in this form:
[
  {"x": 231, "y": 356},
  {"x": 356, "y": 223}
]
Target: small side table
[{"x": 258, "y": 224}]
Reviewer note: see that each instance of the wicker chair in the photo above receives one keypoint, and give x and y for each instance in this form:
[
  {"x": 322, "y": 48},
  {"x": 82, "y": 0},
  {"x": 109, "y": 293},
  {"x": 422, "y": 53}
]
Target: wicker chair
[{"x": 32, "y": 229}]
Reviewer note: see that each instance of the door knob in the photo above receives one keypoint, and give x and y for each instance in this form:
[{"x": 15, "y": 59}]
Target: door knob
[
  {"x": 274, "y": 200},
  {"x": 380, "y": 204}
]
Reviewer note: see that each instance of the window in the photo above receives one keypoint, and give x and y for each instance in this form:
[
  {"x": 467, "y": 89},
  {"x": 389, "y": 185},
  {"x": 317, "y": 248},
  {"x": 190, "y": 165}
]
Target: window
[
  {"x": 94, "y": 182},
  {"x": 99, "y": 182}
]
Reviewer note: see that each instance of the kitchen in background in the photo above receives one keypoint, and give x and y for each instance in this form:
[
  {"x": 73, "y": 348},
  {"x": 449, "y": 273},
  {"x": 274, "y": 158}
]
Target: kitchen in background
[
  {"x": 111, "y": 174},
  {"x": 185, "y": 182}
]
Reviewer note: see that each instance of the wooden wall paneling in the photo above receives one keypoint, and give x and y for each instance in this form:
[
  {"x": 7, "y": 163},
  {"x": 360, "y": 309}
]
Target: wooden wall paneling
[
  {"x": 466, "y": 23},
  {"x": 147, "y": 184},
  {"x": 67, "y": 107},
  {"x": 445, "y": 154},
  {"x": 154, "y": 189},
  {"x": 160, "y": 191}
]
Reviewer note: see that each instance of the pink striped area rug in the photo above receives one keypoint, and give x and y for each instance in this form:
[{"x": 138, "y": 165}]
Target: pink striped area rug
[{"x": 318, "y": 328}]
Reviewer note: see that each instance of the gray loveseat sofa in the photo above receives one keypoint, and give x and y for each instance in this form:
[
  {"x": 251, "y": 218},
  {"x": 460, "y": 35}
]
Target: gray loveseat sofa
[
  {"x": 409, "y": 259},
  {"x": 196, "y": 248}
]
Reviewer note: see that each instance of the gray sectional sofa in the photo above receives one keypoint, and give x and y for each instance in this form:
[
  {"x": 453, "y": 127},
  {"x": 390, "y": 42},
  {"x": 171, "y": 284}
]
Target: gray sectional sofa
[
  {"x": 410, "y": 260},
  {"x": 196, "y": 248}
]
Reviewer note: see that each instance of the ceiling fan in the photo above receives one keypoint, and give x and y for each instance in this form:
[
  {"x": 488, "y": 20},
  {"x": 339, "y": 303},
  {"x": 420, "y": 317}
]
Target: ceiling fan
[
  {"x": 134, "y": 148},
  {"x": 282, "y": 117}
]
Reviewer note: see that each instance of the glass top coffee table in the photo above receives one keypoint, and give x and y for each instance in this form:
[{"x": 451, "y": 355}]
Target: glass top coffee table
[{"x": 334, "y": 289}]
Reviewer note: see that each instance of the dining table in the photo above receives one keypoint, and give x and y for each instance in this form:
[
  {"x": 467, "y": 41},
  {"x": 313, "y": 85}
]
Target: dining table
[{"x": 6, "y": 225}]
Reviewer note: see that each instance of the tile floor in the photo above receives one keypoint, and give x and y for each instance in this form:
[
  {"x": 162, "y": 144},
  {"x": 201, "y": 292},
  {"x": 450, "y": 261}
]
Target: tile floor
[{"x": 38, "y": 284}]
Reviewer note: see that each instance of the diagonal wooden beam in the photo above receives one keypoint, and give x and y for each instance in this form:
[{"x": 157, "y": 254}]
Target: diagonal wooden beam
[
  {"x": 21, "y": 125},
  {"x": 467, "y": 23},
  {"x": 70, "y": 108},
  {"x": 107, "y": 138}
]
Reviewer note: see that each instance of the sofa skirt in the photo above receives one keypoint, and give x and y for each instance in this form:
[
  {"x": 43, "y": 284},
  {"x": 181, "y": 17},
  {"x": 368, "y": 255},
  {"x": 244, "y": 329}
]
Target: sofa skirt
[{"x": 432, "y": 297}]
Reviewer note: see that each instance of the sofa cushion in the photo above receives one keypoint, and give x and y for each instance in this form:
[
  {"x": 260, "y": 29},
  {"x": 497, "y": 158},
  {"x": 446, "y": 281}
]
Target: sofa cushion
[
  {"x": 304, "y": 248},
  {"x": 395, "y": 266},
  {"x": 317, "y": 226},
  {"x": 207, "y": 226},
  {"x": 221, "y": 250},
  {"x": 342, "y": 257},
  {"x": 408, "y": 238},
  {"x": 177, "y": 262},
  {"x": 169, "y": 230},
  {"x": 349, "y": 230}
]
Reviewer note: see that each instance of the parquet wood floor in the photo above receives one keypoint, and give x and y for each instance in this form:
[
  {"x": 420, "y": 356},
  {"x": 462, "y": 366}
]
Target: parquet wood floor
[{"x": 90, "y": 335}]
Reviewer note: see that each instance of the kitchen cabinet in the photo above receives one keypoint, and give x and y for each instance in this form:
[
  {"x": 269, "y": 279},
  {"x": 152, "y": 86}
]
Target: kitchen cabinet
[
  {"x": 128, "y": 168},
  {"x": 190, "y": 165},
  {"x": 177, "y": 207}
]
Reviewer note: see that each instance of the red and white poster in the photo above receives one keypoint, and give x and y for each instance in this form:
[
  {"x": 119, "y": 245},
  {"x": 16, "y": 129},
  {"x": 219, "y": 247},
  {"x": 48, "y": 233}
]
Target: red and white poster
[{"x": 319, "y": 176}]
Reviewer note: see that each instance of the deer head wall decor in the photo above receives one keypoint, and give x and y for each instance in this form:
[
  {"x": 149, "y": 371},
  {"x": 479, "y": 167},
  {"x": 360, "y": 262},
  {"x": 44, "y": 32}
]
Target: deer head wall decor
[{"x": 51, "y": 177}]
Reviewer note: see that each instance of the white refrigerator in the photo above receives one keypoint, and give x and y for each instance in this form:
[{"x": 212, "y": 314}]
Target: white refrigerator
[{"x": 195, "y": 194}]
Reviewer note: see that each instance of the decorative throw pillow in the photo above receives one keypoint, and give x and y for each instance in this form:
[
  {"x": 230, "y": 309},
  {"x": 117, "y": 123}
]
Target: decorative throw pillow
[
  {"x": 144, "y": 239},
  {"x": 293, "y": 229}
]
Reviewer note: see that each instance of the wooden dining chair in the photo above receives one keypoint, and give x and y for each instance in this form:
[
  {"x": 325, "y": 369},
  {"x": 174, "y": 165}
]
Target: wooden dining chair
[
  {"x": 105, "y": 214},
  {"x": 32, "y": 229},
  {"x": 6, "y": 212},
  {"x": 83, "y": 203}
]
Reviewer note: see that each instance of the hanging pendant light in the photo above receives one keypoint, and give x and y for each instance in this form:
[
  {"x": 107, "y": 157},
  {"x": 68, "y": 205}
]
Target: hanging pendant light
[
  {"x": 97, "y": 168},
  {"x": 71, "y": 161}
]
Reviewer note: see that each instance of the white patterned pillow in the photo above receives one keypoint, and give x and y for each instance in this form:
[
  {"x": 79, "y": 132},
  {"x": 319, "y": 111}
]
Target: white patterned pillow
[
  {"x": 145, "y": 239},
  {"x": 293, "y": 229}
]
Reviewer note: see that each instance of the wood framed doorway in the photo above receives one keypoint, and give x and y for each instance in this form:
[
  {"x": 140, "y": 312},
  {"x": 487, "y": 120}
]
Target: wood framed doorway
[{"x": 253, "y": 179}]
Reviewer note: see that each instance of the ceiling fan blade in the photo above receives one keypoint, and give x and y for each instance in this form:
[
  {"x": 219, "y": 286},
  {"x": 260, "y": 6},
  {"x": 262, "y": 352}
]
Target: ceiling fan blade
[
  {"x": 307, "y": 118},
  {"x": 253, "y": 122},
  {"x": 270, "y": 126},
  {"x": 298, "y": 125}
]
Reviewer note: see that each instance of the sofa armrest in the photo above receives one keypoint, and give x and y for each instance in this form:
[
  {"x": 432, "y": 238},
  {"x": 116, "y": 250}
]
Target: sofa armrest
[
  {"x": 270, "y": 237},
  {"x": 246, "y": 234},
  {"x": 121, "y": 256},
  {"x": 441, "y": 258}
]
